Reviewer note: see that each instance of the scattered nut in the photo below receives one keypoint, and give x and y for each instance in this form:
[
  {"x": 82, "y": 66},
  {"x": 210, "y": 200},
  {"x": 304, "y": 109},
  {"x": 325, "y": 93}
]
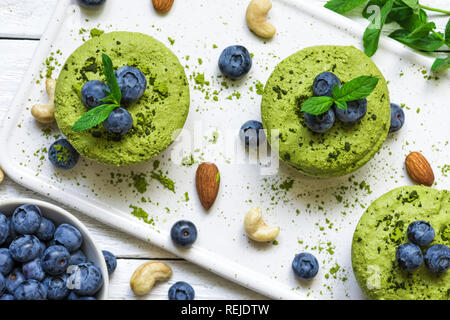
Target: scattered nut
[
  {"x": 162, "y": 6},
  {"x": 2, "y": 175},
  {"x": 257, "y": 18},
  {"x": 257, "y": 229},
  {"x": 45, "y": 113},
  {"x": 207, "y": 181},
  {"x": 146, "y": 275},
  {"x": 419, "y": 169}
]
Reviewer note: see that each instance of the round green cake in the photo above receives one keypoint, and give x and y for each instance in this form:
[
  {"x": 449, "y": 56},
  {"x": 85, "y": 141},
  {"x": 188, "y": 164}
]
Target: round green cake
[
  {"x": 382, "y": 228},
  {"x": 157, "y": 115},
  {"x": 342, "y": 149}
]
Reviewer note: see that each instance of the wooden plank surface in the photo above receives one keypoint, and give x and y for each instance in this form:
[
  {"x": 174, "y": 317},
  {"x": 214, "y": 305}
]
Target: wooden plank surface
[{"x": 22, "y": 23}]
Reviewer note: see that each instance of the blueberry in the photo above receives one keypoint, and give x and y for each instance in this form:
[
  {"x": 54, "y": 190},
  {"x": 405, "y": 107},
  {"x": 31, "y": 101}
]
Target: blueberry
[
  {"x": 93, "y": 92},
  {"x": 183, "y": 233},
  {"x": 111, "y": 261},
  {"x": 132, "y": 83},
  {"x": 324, "y": 84},
  {"x": 85, "y": 279},
  {"x": 46, "y": 230},
  {"x": 62, "y": 155},
  {"x": 30, "y": 290},
  {"x": 4, "y": 228},
  {"x": 6, "y": 262},
  {"x": 356, "y": 110},
  {"x": 119, "y": 122},
  {"x": 252, "y": 133},
  {"x": 305, "y": 266},
  {"x": 2, "y": 284},
  {"x": 14, "y": 279},
  {"x": 26, "y": 219},
  {"x": 33, "y": 270},
  {"x": 55, "y": 260},
  {"x": 420, "y": 233},
  {"x": 77, "y": 257},
  {"x": 25, "y": 248},
  {"x": 86, "y": 298},
  {"x": 91, "y": 4},
  {"x": 42, "y": 248},
  {"x": 12, "y": 233},
  {"x": 397, "y": 118},
  {"x": 409, "y": 257},
  {"x": 57, "y": 287},
  {"x": 181, "y": 291},
  {"x": 320, "y": 123},
  {"x": 437, "y": 258},
  {"x": 69, "y": 236},
  {"x": 74, "y": 296},
  {"x": 8, "y": 297},
  {"x": 235, "y": 62}
]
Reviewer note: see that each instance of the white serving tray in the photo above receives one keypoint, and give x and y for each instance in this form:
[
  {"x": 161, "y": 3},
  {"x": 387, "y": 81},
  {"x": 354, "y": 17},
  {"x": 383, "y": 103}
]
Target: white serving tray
[{"x": 316, "y": 216}]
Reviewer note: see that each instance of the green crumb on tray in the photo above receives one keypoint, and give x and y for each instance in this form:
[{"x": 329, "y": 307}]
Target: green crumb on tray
[
  {"x": 259, "y": 88},
  {"x": 139, "y": 182},
  {"x": 141, "y": 214},
  {"x": 186, "y": 197},
  {"x": 165, "y": 181},
  {"x": 287, "y": 184},
  {"x": 96, "y": 32},
  {"x": 172, "y": 41},
  {"x": 445, "y": 169},
  {"x": 188, "y": 161}
]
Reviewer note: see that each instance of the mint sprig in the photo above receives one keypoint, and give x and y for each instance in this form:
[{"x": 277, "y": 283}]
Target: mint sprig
[
  {"x": 416, "y": 31},
  {"x": 358, "y": 88},
  {"x": 112, "y": 100}
]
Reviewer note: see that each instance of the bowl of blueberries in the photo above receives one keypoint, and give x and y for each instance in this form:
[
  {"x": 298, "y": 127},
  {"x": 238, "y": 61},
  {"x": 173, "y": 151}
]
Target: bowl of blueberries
[{"x": 48, "y": 254}]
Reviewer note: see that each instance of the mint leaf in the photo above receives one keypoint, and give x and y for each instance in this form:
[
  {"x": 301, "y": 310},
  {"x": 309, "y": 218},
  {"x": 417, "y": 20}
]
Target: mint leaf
[
  {"x": 372, "y": 34},
  {"x": 358, "y": 88},
  {"x": 111, "y": 80},
  {"x": 317, "y": 105},
  {"x": 94, "y": 117},
  {"x": 422, "y": 31},
  {"x": 341, "y": 104},
  {"x": 428, "y": 43},
  {"x": 447, "y": 32},
  {"x": 441, "y": 64},
  {"x": 413, "y": 4},
  {"x": 343, "y": 6}
]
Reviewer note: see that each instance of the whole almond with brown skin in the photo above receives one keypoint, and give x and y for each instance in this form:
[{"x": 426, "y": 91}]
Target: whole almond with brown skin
[
  {"x": 207, "y": 181},
  {"x": 162, "y": 6},
  {"x": 419, "y": 169}
]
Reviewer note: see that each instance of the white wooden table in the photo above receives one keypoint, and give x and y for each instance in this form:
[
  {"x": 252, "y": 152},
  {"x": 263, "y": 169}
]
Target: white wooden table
[{"x": 22, "y": 23}]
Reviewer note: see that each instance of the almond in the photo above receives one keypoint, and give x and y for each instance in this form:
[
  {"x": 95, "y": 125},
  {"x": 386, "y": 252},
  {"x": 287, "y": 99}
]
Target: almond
[
  {"x": 207, "y": 181},
  {"x": 162, "y": 6},
  {"x": 419, "y": 169}
]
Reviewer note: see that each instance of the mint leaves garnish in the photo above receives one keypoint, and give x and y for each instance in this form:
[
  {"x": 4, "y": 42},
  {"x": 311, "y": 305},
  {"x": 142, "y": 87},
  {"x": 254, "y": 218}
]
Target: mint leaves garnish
[
  {"x": 415, "y": 31},
  {"x": 99, "y": 114},
  {"x": 358, "y": 88}
]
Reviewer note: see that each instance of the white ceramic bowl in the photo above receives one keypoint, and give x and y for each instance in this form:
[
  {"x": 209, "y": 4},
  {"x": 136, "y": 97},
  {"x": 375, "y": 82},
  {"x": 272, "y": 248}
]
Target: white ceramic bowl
[{"x": 59, "y": 216}]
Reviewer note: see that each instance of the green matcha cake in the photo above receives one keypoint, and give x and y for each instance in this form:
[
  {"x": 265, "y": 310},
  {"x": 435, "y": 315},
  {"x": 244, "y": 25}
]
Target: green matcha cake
[
  {"x": 382, "y": 228},
  {"x": 157, "y": 115},
  {"x": 342, "y": 149}
]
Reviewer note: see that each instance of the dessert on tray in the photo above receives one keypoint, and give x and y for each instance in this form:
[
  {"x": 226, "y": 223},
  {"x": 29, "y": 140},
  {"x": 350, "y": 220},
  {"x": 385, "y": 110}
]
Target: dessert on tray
[
  {"x": 155, "y": 93},
  {"x": 341, "y": 141},
  {"x": 400, "y": 246}
]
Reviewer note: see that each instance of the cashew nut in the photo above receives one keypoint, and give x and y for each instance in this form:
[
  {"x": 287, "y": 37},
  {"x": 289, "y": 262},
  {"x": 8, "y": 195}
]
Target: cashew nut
[
  {"x": 257, "y": 18},
  {"x": 145, "y": 276},
  {"x": 257, "y": 229},
  {"x": 45, "y": 113},
  {"x": 2, "y": 175}
]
